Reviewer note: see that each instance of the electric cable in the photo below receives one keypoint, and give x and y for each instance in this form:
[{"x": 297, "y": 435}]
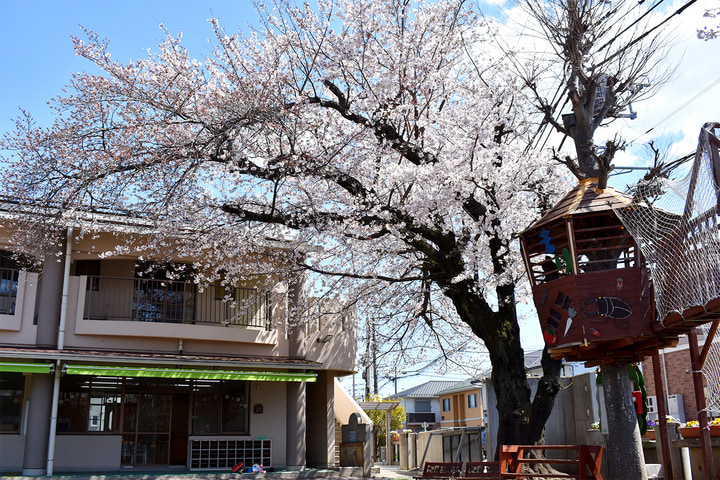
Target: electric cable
[{"x": 688, "y": 102}]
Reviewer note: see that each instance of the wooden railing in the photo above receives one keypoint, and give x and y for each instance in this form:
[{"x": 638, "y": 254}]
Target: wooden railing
[{"x": 589, "y": 458}]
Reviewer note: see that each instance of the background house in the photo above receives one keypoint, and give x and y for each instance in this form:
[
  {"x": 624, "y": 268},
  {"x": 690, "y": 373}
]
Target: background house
[
  {"x": 463, "y": 404},
  {"x": 676, "y": 372},
  {"x": 422, "y": 405}
]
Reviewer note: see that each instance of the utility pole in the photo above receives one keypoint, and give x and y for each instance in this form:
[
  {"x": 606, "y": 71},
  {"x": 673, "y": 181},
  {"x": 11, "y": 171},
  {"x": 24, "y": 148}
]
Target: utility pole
[{"x": 374, "y": 360}]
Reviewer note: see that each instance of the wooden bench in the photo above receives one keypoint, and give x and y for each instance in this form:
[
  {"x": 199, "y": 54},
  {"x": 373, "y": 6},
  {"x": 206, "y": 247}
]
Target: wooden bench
[
  {"x": 589, "y": 458},
  {"x": 481, "y": 470},
  {"x": 441, "y": 470}
]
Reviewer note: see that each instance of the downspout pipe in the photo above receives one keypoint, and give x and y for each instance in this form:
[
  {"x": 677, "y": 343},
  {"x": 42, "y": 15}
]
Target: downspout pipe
[{"x": 60, "y": 346}]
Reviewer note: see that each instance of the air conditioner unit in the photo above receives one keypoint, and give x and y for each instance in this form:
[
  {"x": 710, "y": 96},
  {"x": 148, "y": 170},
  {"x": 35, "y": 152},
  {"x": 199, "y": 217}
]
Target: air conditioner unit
[
  {"x": 674, "y": 406},
  {"x": 652, "y": 401}
]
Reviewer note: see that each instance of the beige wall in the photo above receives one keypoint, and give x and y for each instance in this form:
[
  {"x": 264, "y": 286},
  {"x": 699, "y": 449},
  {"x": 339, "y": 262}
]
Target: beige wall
[
  {"x": 12, "y": 448},
  {"x": 271, "y": 423},
  {"x": 432, "y": 452},
  {"x": 87, "y": 452}
]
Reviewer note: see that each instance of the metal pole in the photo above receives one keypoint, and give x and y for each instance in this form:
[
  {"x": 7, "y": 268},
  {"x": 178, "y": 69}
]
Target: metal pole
[
  {"x": 50, "y": 466},
  {"x": 388, "y": 439}
]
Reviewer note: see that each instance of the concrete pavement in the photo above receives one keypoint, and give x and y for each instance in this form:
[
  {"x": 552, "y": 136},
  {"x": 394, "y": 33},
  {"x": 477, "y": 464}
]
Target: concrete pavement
[{"x": 381, "y": 472}]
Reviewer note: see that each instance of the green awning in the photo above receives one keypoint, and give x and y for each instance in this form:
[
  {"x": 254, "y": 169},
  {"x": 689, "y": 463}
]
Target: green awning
[
  {"x": 126, "y": 371},
  {"x": 26, "y": 367}
]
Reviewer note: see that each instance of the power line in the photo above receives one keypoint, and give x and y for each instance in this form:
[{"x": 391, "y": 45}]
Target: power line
[
  {"x": 645, "y": 34},
  {"x": 631, "y": 25},
  {"x": 695, "y": 97}
]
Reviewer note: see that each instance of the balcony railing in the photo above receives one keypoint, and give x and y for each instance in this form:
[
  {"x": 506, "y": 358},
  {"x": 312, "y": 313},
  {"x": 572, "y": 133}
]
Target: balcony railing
[
  {"x": 421, "y": 417},
  {"x": 166, "y": 301},
  {"x": 8, "y": 290}
]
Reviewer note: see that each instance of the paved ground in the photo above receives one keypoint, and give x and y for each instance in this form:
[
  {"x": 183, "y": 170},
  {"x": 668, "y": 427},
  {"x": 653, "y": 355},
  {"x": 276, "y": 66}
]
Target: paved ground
[{"x": 383, "y": 473}]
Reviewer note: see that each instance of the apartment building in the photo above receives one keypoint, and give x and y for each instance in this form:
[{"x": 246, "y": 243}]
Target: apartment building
[{"x": 114, "y": 362}]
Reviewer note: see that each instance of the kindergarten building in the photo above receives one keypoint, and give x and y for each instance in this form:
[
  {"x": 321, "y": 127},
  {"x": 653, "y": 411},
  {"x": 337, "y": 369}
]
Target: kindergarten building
[{"x": 104, "y": 367}]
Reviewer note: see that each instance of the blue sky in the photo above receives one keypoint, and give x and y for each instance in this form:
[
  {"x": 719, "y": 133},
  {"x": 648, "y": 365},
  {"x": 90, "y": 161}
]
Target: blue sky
[
  {"x": 37, "y": 57},
  {"x": 37, "y": 60}
]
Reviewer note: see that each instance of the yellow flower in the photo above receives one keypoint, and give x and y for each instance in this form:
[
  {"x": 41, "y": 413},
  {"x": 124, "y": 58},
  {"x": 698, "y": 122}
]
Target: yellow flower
[{"x": 692, "y": 423}]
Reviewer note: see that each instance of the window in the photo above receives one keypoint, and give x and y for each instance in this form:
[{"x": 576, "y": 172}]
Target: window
[
  {"x": 446, "y": 404},
  {"x": 472, "y": 400},
  {"x": 235, "y": 407},
  {"x": 104, "y": 411},
  {"x": 422, "y": 406},
  {"x": 90, "y": 268},
  {"x": 9, "y": 274},
  {"x": 11, "y": 401},
  {"x": 207, "y": 406},
  {"x": 248, "y": 308},
  {"x": 89, "y": 404},
  {"x": 220, "y": 407}
]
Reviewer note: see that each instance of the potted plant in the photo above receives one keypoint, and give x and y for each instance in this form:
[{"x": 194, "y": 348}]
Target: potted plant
[{"x": 691, "y": 429}]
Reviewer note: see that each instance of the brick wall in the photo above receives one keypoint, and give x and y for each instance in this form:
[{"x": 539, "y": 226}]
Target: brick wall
[{"x": 679, "y": 379}]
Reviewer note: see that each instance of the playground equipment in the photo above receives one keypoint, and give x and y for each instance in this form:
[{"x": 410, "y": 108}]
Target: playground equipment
[{"x": 619, "y": 276}]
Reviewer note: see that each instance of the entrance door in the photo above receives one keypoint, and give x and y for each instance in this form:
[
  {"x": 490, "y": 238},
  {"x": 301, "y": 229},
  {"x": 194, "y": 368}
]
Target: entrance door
[
  {"x": 179, "y": 429},
  {"x": 146, "y": 429}
]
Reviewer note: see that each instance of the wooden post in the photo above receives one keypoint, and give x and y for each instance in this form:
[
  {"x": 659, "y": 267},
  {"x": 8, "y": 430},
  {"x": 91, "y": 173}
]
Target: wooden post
[
  {"x": 662, "y": 415},
  {"x": 700, "y": 403},
  {"x": 708, "y": 343}
]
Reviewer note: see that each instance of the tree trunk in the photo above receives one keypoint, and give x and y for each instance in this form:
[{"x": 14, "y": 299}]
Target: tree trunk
[
  {"x": 521, "y": 419},
  {"x": 624, "y": 453}
]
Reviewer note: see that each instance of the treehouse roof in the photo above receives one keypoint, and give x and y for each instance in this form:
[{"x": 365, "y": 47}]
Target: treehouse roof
[{"x": 584, "y": 198}]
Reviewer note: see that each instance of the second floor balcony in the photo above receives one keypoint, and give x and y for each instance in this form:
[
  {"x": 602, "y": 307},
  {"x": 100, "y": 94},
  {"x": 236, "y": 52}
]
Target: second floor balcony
[{"x": 172, "y": 301}]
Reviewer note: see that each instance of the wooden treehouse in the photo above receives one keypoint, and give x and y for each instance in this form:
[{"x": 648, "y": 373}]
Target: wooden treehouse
[
  {"x": 590, "y": 284},
  {"x": 618, "y": 277}
]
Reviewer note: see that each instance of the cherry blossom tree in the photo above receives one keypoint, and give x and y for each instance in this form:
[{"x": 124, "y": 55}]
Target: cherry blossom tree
[
  {"x": 379, "y": 146},
  {"x": 710, "y": 32}
]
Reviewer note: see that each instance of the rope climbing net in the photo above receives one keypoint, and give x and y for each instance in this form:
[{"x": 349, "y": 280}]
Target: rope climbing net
[
  {"x": 711, "y": 372},
  {"x": 676, "y": 224}
]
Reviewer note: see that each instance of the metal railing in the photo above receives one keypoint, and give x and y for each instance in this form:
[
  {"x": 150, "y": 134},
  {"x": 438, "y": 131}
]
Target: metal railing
[
  {"x": 8, "y": 290},
  {"x": 168, "y": 301}
]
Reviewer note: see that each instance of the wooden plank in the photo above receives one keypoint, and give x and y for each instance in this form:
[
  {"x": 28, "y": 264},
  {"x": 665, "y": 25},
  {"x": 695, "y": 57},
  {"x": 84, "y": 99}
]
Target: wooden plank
[
  {"x": 708, "y": 342},
  {"x": 662, "y": 414},
  {"x": 700, "y": 402}
]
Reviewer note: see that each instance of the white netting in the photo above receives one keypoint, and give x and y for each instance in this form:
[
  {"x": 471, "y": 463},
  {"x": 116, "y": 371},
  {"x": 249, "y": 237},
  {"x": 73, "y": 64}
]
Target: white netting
[
  {"x": 711, "y": 371},
  {"x": 676, "y": 225}
]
